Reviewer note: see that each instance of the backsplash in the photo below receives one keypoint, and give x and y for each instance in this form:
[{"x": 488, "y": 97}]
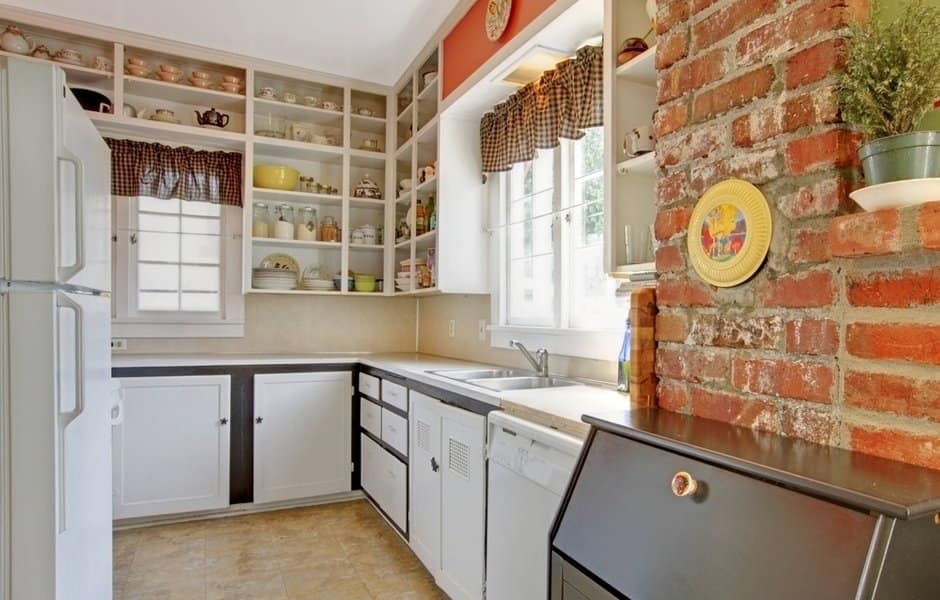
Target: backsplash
[
  {"x": 835, "y": 340},
  {"x": 285, "y": 324},
  {"x": 435, "y": 312}
]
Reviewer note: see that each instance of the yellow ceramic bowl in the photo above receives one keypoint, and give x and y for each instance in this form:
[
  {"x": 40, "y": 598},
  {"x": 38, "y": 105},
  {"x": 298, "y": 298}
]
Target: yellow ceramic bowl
[
  {"x": 365, "y": 283},
  {"x": 276, "y": 177}
]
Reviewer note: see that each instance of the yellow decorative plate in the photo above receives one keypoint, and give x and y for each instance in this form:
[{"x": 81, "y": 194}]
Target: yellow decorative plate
[{"x": 729, "y": 233}]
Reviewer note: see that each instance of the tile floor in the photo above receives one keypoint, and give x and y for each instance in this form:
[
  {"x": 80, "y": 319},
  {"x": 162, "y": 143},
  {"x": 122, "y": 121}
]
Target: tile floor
[{"x": 337, "y": 551}]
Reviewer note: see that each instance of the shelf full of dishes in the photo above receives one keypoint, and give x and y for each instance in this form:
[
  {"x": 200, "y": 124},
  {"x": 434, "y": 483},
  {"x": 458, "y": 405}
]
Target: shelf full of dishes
[
  {"x": 309, "y": 272},
  {"x": 418, "y": 273},
  {"x": 86, "y": 60}
]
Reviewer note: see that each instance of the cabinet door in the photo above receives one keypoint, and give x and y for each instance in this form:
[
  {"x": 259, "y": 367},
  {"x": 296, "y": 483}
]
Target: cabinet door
[
  {"x": 171, "y": 452},
  {"x": 463, "y": 502},
  {"x": 302, "y": 441},
  {"x": 425, "y": 457},
  {"x": 371, "y": 469}
]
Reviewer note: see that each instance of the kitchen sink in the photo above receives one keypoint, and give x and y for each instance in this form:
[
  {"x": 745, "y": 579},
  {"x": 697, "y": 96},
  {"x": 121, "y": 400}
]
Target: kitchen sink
[
  {"x": 467, "y": 374},
  {"x": 501, "y": 384}
]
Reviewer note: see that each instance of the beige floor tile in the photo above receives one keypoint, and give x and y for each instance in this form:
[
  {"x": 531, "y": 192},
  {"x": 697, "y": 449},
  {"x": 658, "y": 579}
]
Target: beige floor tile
[{"x": 338, "y": 551}]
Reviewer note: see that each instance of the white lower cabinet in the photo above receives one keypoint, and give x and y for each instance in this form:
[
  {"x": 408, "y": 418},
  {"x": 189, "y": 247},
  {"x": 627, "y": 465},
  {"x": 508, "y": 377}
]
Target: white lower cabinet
[
  {"x": 302, "y": 435},
  {"x": 385, "y": 479},
  {"x": 448, "y": 494},
  {"x": 171, "y": 451}
]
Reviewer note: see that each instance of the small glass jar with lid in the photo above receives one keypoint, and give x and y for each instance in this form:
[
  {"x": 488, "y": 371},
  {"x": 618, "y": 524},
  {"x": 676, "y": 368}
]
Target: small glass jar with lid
[
  {"x": 306, "y": 227},
  {"x": 284, "y": 222},
  {"x": 329, "y": 230},
  {"x": 260, "y": 220}
]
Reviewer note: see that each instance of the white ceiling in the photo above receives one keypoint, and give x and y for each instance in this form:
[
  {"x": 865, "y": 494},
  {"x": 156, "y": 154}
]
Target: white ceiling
[{"x": 371, "y": 40}]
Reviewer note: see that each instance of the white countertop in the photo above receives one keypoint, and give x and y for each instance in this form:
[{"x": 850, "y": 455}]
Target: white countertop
[{"x": 567, "y": 403}]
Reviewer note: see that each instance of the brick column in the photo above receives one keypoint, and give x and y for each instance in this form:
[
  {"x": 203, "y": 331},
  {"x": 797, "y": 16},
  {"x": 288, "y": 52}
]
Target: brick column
[{"x": 746, "y": 89}]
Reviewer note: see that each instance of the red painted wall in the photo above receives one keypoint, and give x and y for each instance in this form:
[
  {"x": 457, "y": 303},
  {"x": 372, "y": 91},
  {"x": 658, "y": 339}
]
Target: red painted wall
[{"x": 466, "y": 47}]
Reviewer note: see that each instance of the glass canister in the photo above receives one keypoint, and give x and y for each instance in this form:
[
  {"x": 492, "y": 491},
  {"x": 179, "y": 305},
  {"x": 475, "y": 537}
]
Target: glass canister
[
  {"x": 284, "y": 222},
  {"x": 306, "y": 226},
  {"x": 329, "y": 230},
  {"x": 261, "y": 220}
]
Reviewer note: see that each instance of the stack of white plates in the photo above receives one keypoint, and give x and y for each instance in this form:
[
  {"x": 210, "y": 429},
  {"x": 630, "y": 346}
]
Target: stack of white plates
[
  {"x": 273, "y": 279},
  {"x": 320, "y": 285}
]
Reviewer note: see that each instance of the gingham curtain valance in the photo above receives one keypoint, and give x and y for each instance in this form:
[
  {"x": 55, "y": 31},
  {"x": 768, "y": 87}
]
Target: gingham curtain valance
[
  {"x": 158, "y": 171},
  {"x": 561, "y": 104}
]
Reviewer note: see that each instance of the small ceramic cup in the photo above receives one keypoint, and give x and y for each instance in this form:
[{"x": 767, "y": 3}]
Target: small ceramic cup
[
  {"x": 330, "y": 105},
  {"x": 200, "y": 75},
  {"x": 171, "y": 77},
  {"x": 230, "y": 87},
  {"x": 267, "y": 92},
  {"x": 311, "y": 101},
  {"x": 165, "y": 112},
  {"x": 231, "y": 79},
  {"x": 69, "y": 54},
  {"x": 365, "y": 112},
  {"x": 289, "y": 97},
  {"x": 137, "y": 62},
  {"x": 103, "y": 63},
  {"x": 169, "y": 69}
]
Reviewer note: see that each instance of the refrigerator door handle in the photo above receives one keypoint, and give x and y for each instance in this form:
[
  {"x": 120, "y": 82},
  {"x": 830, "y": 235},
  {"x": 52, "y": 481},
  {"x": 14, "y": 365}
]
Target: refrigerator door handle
[
  {"x": 66, "y": 273},
  {"x": 66, "y": 417}
]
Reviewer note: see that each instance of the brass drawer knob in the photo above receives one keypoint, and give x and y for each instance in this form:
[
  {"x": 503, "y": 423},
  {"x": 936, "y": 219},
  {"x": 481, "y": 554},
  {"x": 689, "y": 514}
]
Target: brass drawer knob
[{"x": 683, "y": 484}]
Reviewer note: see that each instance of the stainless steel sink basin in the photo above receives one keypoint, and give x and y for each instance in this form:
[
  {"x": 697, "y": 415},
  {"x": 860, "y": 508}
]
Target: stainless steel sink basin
[
  {"x": 502, "y": 384},
  {"x": 467, "y": 374}
]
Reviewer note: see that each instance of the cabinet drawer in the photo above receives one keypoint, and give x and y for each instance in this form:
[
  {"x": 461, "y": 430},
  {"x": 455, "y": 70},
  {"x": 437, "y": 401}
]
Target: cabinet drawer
[
  {"x": 394, "y": 394},
  {"x": 395, "y": 431},
  {"x": 370, "y": 416},
  {"x": 369, "y": 385},
  {"x": 385, "y": 479}
]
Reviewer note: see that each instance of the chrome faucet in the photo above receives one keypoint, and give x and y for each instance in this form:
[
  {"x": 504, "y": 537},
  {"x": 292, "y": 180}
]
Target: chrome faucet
[{"x": 539, "y": 362}]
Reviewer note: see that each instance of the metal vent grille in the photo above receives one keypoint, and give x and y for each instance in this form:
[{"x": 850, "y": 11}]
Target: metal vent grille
[
  {"x": 458, "y": 458},
  {"x": 424, "y": 436}
]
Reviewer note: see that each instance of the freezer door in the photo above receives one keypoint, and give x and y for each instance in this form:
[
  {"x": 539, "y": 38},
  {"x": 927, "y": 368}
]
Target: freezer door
[
  {"x": 61, "y": 449},
  {"x": 59, "y": 173}
]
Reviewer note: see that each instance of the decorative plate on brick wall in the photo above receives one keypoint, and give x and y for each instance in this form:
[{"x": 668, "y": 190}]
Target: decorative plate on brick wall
[{"x": 729, "y": 233}]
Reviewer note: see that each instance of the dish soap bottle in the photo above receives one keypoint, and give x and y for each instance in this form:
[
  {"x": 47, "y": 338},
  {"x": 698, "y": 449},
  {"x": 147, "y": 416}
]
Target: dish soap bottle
[{"x": 623, "y": 360}]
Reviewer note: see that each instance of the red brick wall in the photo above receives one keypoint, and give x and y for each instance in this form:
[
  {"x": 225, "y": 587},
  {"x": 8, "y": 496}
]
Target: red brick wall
[{"x": 837, "y": 338}]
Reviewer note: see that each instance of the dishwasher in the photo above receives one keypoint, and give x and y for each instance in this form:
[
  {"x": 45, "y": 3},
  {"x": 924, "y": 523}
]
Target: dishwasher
[{"x": 529, "y": 469}]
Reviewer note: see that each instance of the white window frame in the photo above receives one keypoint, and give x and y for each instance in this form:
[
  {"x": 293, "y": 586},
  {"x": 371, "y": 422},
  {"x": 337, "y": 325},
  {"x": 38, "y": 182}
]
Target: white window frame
[
  {"x": 127, "y": 321},
  {"x": 598, "y": 344}
]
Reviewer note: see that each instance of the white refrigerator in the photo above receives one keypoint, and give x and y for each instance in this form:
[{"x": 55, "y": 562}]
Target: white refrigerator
[{"x": 55, "y": 362}]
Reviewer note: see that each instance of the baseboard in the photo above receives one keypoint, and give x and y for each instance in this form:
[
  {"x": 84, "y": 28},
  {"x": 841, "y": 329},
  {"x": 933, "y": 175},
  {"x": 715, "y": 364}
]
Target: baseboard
[{"x": 234, "y": 510}]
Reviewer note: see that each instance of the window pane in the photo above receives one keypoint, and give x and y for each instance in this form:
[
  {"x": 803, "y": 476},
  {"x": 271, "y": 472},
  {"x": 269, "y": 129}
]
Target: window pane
[
  {"x": 158, "y": 277},
  {"x": 206, "y": 209},
  {"x": 161, "y": 301},
  {"x": 594, "y": 304},
  {"x": 589, "y": 152},
  {"x": 148, "y": 204},
  {"x": 200, "y": 279},
  {"x": 200, "y": 225},
  {"x": 588, "y": 220},
  {"x": 200, "y": 302},
  {"x": 532, "y": 291},
  {"x": 158, "y": 247},
  {"x": 531, "y": 206},
  {"x": 156, "y": 222},
  {"x": 531, "y": 238},
  {"x": 201, "y": 249}
]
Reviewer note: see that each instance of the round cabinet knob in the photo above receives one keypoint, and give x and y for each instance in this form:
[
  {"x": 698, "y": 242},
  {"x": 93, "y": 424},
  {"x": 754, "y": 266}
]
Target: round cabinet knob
[{"x": 683, "y": 484}]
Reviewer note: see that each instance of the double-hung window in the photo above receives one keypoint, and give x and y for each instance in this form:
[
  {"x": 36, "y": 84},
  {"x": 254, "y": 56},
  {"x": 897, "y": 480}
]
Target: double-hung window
[
  {"x": 176, "y": 269},
  {"x": 552, "y": 289}
]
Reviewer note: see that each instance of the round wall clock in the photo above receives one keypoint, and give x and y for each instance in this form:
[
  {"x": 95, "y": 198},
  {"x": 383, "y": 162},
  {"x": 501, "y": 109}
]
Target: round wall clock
[
  {"x": 729, "y": 233},
  {"x": 497, "y": 17}
]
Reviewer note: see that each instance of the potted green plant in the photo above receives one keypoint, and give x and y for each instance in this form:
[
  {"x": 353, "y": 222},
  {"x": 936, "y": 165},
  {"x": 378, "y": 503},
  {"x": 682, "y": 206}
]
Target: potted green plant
[{"x": 890, "y": 81}]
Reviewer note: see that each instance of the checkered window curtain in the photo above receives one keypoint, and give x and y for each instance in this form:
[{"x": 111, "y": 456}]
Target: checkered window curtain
[
  {"x": 158, "y": 171},
  {"x": 561, "y": 104}
]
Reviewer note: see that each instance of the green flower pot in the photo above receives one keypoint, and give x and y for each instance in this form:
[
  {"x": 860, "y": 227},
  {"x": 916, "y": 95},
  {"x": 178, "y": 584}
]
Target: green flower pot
[{"x": 898, "y": 157}]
